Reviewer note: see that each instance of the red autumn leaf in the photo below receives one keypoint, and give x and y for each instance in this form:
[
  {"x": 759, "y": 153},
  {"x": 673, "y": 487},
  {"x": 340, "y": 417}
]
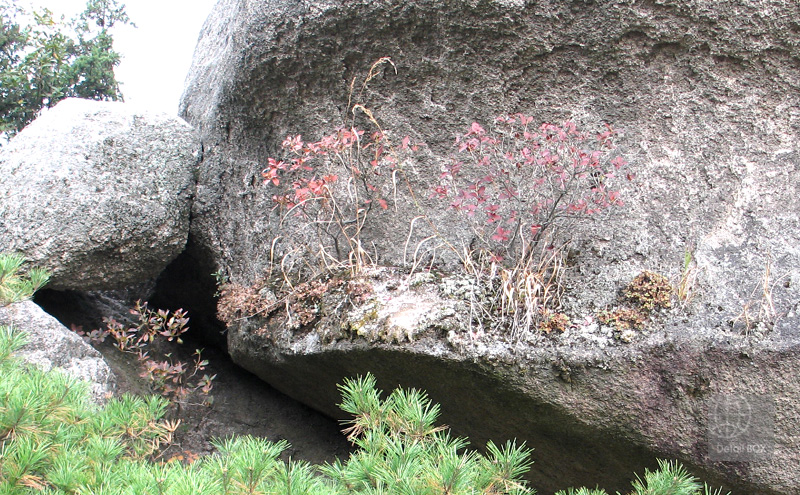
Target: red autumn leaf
[
  {"x": 440, "y": 191},
  {"x": 271, "y": 175},
  {"x": 317, "y": 187},
  {"x": 501, "y": 234},
  {"x": 301, "y": 194},
  {"x": 524, "y": 120},
  {"x": 295, "y": 143},
  {"x": 476, "y": 130}
]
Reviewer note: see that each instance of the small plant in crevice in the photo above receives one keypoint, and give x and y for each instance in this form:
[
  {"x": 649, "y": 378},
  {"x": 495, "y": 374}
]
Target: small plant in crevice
[
  {"x": 176, "y": 379},
  {"x": 686, "y": 286},
  {"x": 239, "y": 302},
  {"x": 646, "y": 292},
  {"x": 650, "y": 291},
  {"x": 145, "y": 337},
  {"x": 553, "y": 321},
  {"x": 301, "y": 303},
  {"x": 623, "y": 318},
  {"x": 220, "y": 279}
]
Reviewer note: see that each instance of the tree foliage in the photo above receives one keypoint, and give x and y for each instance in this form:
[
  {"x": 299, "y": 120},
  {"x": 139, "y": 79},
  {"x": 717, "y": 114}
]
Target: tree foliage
[
  {"x": 16, "y": 286},
  {"x": 44, "y": 60}
]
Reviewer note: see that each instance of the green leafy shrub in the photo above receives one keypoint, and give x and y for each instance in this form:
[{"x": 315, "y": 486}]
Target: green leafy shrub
[
  {"x": 167, "y": 375},
  {"x": 46, "y": 59}
]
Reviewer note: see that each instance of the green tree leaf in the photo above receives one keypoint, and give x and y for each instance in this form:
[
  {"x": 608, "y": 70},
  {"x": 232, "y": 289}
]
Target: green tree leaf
[{"x": 44, "y": 60}]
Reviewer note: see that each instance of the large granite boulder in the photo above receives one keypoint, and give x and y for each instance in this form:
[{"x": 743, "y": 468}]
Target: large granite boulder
[
  {"x": 596, "y": 407},
  {"x": 51, "y": 345},
  {"x": 98, "y": 193},
  {"x": 707, "y": 95}
]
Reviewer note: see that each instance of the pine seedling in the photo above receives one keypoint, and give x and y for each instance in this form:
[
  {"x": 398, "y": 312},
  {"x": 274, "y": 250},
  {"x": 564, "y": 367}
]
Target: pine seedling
[
  {"x": 297, "y": 477},
  {"x": 253, "y": 461},
  {"x": 669, "y": 479},
  {"x": 508, "y": 463},
  {"x": 707, "y": 490},
  {"x": 401, "y": 450},
  {"x": 68, "y": 471},
  {"x": 582, "y": 491}
]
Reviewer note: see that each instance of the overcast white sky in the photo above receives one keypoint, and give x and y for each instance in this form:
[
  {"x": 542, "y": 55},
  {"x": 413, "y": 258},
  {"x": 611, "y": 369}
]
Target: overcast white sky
[{"x": 156, "y": 55}]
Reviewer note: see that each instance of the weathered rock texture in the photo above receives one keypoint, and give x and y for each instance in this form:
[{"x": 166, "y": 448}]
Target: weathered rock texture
[
  {"x": 52, "y": 345},
  {"x": 596, "y": 409},
  {"x": 98, "y": 193},
  {"x": 708, "y": 96}
]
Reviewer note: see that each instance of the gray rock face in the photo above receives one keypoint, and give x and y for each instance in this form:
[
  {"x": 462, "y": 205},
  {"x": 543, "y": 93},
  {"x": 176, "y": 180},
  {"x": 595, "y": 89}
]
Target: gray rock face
[
  {"x": 596, "y": 409},
  {"x": 707, "y": 94},
  {"x": 705, "y": 107},
  {"x": 98, "y": 193},
  {"x": 52, "y": 345}
]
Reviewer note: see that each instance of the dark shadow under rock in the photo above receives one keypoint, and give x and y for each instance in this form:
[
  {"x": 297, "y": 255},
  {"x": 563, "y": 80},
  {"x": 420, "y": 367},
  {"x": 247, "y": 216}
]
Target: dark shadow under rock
[
  {"x": 242, "y": 403},
  {"x": 474, "y": 403},
  {"x": 245, "y": 405},
  {"x": 188, "y": 283}
]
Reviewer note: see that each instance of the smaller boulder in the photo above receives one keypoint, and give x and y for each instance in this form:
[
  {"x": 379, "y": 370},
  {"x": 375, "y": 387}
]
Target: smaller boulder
[
  {"x": 98, "y": 193},
  {"x": 52, "y": 345}
]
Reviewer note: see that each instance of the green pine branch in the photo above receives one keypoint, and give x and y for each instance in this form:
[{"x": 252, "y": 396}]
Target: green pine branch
[
  {"x": 14, "y": 284},
  {"x": 55, "y": 441}
]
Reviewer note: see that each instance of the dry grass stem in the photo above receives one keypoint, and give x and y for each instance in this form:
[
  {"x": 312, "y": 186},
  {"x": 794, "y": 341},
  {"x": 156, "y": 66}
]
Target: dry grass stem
[
  {"x": 762, "y": 300},
  {"x": 685, "y": 288}
]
